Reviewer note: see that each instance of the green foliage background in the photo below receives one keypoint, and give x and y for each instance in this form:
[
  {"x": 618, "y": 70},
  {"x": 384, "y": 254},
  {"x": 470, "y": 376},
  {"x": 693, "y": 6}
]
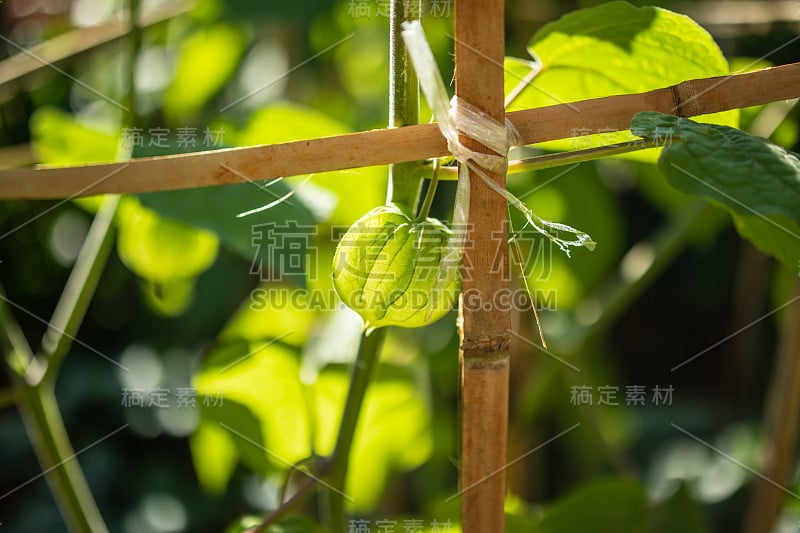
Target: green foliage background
[{"x": 180, "y": 305}]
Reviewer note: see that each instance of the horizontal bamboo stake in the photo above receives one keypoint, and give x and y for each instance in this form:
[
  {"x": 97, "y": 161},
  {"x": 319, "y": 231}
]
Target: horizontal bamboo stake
[
  {"x": 381, "y": 147},
  {"x": 71, "y": 43}
]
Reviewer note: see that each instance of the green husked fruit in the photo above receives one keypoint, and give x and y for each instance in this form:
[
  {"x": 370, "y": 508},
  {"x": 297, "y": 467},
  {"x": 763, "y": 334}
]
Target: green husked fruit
[{"x": 387, "y": 269}]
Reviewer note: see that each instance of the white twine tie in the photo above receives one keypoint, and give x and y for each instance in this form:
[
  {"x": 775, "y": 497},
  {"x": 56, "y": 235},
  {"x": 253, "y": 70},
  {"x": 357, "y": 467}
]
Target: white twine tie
[{"x": 456, "y": 117}]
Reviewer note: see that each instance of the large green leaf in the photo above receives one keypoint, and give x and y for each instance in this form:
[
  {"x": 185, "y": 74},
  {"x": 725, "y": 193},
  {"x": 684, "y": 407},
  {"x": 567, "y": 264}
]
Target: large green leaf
[
  {"x": 59, "y": 138},
  {"x": 611, "y": 505},
  {"x": 757, "y": 181},
  {"x": 276, "y": 240},
  {"x": 168, "y": 255},
  {"x": 614, "y": 48}
]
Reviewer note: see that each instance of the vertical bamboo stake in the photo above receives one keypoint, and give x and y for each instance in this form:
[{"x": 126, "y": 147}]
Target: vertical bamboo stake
[
  {"x": 782, "y": 421},
  {"x": 484, "y": 357}
]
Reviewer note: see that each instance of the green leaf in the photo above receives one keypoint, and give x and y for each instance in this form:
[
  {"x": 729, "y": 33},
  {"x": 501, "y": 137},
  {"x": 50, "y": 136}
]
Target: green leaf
[
  {"x": 214, "y": 456},
  {"x": 167, "y": 254},
  {"x": 275, "y": 240},
  {"x": 614, "y": 48},
  {"x": 162, "y": 250},
  {"x": 262, "y": 406},
  {"x": 169, "y": 298},
  {"x": 774, "y": 235},
  {"x": 60, "y": 139},
  {"x": 274, "y": 311},
  {"x": 757, "y": 181},
  {"x": 206, "y": 60},
  {"x": 393, "y": 431},
  {"x": 263, "y": 413},
  {"x": 618, "y": 505},
  {"x": 329, "y": 193}
]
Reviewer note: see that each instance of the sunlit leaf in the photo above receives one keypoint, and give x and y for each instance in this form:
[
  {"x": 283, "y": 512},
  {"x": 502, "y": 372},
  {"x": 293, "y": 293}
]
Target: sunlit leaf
[
  {"x": 206, "y": 61},
  {"x": 59, "y": 139},
  {"x": 289, "y": 524},
  {"x": 214, "y": 456},
  {"x": 262, "y": 404},
  {"x": 274, "y": 311},
  {"x": 171, "y": 297},
  {"x": 614, "y": 48},
  {"x": 393, "y": 431},
  {"x": 160, "y": 249},
  {"x": 263, "y": 409}
]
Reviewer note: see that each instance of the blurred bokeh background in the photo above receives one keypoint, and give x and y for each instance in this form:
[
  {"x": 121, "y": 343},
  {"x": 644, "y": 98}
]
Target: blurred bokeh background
[{"x": 176, "y": 299}]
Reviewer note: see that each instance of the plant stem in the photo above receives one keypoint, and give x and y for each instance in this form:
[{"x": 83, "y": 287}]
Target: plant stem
[
  {"x": 24, "y": 367},
  {"x": 299, "y": 498},
  {"x": 580, "y": 156},
  {"x": 542, "y": 162},
  {"x": 405, "y": 179},
  {"x": 45, "y": 428},
  {"x": 80, "y": 287},
  {"x": 36, "y": 389},
  {"x": 425, "y": 209},
  {"x": 34, "y": 376},
  {"x": 363, "y": 371}
]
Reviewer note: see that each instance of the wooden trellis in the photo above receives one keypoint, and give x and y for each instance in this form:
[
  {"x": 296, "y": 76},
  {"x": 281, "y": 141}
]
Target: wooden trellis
[
  {"x": 382, "y": 147},
  {"x": 479, "y": 52}
]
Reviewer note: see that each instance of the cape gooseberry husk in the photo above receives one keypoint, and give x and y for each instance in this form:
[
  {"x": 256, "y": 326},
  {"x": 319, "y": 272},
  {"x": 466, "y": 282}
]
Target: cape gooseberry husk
[{"x": 387, "y": 269}]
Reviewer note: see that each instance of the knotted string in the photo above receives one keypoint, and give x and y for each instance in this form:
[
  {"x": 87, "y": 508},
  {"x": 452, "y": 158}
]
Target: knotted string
[{"x": 458, "y": 117}]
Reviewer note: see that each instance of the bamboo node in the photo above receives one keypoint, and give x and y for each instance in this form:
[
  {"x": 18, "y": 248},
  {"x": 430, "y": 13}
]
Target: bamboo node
[
  {"x": 485, "y": 344},
  {"x": 677, "y": 101}
]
